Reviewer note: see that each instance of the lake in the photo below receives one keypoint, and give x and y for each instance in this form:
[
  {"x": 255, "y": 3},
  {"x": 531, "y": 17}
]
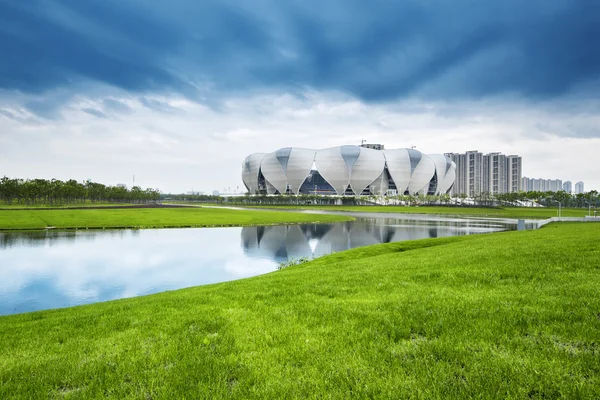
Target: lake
[{"x": 51, "y": 269}]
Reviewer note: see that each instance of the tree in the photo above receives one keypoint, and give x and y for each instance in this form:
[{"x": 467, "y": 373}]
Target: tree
[{"x": 35, "y": 191}]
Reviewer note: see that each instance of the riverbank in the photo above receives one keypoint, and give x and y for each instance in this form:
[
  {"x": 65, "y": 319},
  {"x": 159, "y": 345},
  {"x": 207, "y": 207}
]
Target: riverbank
[
  {"x": 136, "y": 218},
  {"x": 489, "y": 212},
  {"x": 505, "y": 315}
]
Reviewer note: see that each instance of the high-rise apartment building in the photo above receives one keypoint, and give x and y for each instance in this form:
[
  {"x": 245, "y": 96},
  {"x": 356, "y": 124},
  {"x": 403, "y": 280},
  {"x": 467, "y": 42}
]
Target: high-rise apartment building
[
  {"x": 492, "y": 173},
  {"x": 568, "y": 187},
  {"x": 497, "y": 175},
  {"x": 542, "y": 185},
  {"x": 469, "y": 178},
  {"x": 514, "y": 173},
  {"x": 579, "y": 187},
  {"x": 555, "y": 185},
  {"x": 461, "y": 174}
]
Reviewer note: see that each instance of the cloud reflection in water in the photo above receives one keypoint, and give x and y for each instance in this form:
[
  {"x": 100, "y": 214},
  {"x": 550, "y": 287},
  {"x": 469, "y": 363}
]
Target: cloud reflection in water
[{"x": 52, "y": 269}]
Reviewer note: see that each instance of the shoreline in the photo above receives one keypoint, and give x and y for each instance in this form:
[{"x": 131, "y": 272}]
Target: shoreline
[{"x": 153, "y": 218}]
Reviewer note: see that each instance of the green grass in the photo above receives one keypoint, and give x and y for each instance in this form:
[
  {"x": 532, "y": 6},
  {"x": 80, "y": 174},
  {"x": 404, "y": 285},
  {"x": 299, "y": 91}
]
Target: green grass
[
  {"x": 12, "y": 206},
  {"x": 508, "y": 212},
  {"x": 152, "y": 218},
  {"x": 512, "y": 315}
]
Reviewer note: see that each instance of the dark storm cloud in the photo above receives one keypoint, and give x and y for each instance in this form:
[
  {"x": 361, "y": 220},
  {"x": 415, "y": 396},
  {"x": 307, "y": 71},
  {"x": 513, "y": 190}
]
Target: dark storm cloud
[
  {"x": 43, "y": 52},
  {"x": 376, "y": 50}
]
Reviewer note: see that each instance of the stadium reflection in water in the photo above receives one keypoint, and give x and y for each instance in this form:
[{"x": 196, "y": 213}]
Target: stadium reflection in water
[
  {"x": 51, "y": 269},
  {"x": 282, "y": 243}
]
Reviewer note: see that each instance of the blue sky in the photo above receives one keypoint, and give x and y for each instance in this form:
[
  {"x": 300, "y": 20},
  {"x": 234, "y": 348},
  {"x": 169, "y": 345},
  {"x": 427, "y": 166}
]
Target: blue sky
[{"x": 168, "y": 91}]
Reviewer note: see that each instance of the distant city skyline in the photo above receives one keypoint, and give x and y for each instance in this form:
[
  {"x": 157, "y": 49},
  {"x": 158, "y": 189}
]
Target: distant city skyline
[{"x": 551, "y": 185}]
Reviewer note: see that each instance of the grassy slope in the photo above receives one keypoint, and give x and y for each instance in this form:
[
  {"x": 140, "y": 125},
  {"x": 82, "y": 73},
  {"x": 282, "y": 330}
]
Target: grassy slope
[
  {"x": 505, "y": 315},
  {"x": 509, "y": 212},
  {"x": 151, "y": 218}
]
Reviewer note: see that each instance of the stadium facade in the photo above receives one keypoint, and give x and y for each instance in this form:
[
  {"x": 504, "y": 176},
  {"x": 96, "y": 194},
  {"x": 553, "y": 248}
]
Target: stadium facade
[{"x": 348, "y": 170}]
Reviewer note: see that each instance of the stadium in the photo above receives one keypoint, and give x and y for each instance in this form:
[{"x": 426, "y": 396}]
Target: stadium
[{"x": 348, "y": 170}]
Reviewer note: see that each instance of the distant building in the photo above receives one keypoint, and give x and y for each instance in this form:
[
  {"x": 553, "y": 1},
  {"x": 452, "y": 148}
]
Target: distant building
[
  {"x": 541, "y": 185},
  {"x": 579, "y": 188},
  {"x": 493, "y": 173},
  {"x": 514, "y": 172},
  {"x": 122, "y": 185},
  {"x": 469, "y": 173},
  {"x": 348, "y": 171},
  {"x": 568, "y": 187},
  {"x": 495, "y": 181},
  {"x": 215, "y": 193}
]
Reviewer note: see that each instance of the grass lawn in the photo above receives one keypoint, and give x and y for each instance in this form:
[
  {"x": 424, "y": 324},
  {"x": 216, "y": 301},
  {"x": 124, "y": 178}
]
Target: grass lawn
[
  {"x": 152, "y": 218},
  {"x": 509, "y": 212},
  {"x": 4, "y": 205},
  {"x": 511, "y": 315}
]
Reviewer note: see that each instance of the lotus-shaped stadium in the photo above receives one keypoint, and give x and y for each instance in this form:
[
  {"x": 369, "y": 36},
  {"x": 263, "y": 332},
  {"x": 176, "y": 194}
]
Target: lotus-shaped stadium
[{"x": 348, "y": 170}]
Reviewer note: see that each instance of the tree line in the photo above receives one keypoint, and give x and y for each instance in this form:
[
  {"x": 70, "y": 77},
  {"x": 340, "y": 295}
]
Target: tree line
[
  {"x": 549, "y": 199},
  {"x": 54, "y": 191},
  {"x": 192, "y": 198},
  {"x": 580, "y": 200}
]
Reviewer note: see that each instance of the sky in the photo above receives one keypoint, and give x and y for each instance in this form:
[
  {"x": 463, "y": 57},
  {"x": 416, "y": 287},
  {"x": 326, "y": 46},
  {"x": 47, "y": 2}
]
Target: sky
[{"x": 178, "y": 93}]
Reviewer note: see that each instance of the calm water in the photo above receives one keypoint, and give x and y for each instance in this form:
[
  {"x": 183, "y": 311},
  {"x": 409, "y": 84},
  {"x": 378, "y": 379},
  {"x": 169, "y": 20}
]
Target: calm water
[{"x": 51, "y": 269}]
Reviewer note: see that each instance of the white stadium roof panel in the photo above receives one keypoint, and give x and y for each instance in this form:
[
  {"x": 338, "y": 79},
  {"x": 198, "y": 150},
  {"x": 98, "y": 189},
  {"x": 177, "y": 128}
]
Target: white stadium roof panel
[{"x": 336, "y": 169}]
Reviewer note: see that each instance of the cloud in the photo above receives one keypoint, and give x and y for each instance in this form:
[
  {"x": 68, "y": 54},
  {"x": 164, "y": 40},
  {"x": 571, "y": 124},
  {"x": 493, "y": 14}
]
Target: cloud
[
  {"x": 94, "y": 112},
  {"x": 7, "y": 114},
  {"x": 202, "y": 149},
  {"x": 157, "y": 105},
  {"x": 375, "y": 51},
  {"x": 45, "y": 108},
  {"x": 116, "y": 106}
]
